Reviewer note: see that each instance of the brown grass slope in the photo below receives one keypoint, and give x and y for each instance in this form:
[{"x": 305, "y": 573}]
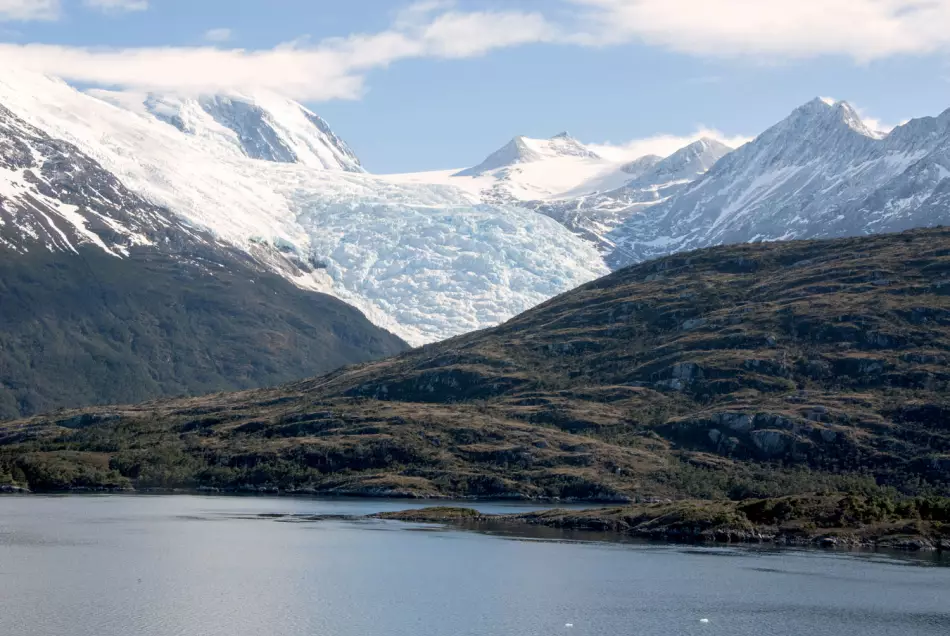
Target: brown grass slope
[{"x": 739, "y": 371}]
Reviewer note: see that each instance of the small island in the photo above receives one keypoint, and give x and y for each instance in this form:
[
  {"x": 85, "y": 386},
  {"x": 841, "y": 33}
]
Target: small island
[{"x": 833, "y": 520}]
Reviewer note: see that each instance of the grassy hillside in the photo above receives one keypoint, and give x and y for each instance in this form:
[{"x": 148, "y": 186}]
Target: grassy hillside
[{"x": 734, "y": 372}]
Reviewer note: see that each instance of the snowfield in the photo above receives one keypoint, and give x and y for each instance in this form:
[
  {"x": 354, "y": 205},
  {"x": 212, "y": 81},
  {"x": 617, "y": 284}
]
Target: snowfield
[{"x": 528, "y": 169}]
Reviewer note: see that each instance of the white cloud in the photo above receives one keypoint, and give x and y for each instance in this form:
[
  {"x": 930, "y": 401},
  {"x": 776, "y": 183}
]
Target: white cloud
[
  {"x": 450, "y": 35},
  {"x": 336, "y": 68},
  {"x": 26, "y": 10},
  {"x": 662, "y": 145},
  {"x": 331, "y": 69},
  {"x": 861, "y": 29},
  {"x": 876, "y": 124},
  {"x": 219, "y": 35},
  {"x": 316, "y": 75},
  {"x": 117, "y": 6}
]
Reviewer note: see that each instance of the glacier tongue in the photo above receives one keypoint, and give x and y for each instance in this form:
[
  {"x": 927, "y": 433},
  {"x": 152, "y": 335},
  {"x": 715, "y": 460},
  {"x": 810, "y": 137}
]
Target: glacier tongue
[
  {"x": 431, "y": 272},
  {"x": 421, "y": 260}
]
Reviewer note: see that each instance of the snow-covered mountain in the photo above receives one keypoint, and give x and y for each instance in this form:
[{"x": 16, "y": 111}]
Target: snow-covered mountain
[
  {"x": 527, "y": 169},
  {"x": 567, "y": 181},
  {"x": 683, "y": 166},
  {"x": 820, "y": 173},
  {"x": 431, "y": 255},
  {"x": 109, "y": 298},
  {"x": 269, "y": 179},
  {"x": 258, "y": 126},
  {"x": 53, "y": 196},
  {"x": 522, "y": 150},
  {"x": 650, "y": 180}
]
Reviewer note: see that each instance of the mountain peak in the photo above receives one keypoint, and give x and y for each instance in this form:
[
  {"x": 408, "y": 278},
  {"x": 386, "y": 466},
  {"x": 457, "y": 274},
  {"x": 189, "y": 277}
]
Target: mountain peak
[
  {"x": 824, "y": 111},
  {"x": 709, "y": 143},
  {"x": 522, "y": 150},
  {"x": 691, "y": 161}
]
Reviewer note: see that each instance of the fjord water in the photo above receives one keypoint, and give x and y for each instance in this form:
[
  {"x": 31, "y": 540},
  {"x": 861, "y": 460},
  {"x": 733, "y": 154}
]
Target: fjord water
[{"x": 176, "y": 566}]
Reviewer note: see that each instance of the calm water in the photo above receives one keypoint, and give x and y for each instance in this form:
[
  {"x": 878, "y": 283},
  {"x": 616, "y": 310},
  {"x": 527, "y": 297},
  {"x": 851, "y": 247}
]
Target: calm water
[{"x": 177, "y": 566}]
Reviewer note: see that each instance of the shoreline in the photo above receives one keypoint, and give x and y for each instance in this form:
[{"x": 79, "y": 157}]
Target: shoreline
[
  {"x": 308, "y": 493},
  {"x": 682, "y": 523},
  {"x": 846, "y": 520}
]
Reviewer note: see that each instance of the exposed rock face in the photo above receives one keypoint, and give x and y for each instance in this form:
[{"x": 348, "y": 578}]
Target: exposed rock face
[{"x": 771, "y": 443}]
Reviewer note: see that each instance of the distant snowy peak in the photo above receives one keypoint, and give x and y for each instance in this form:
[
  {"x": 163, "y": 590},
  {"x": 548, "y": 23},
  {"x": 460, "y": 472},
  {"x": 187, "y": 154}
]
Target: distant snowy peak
[
  {"x": 821, "y": 124},
  {"x": 521, "y": 150},
  {"x": 686, "y": 164},
  {"x": 261, "y": 126},
  {"x": 819, "y": 173},
  {"x": 836, "y": 113},
  {"x": 647, "y": 181},
  {"x": 698, "y": 157}
]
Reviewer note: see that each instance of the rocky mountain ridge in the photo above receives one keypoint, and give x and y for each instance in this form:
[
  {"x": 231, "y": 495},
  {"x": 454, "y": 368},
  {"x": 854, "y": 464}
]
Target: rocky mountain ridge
[{"x": 820, "y": 173}]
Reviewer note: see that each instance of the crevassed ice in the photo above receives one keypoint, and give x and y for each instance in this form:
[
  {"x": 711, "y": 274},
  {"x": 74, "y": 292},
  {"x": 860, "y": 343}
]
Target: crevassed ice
[{"x": 439, "y": 272}]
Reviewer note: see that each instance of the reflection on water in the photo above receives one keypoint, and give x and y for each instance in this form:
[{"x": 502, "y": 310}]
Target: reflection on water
[{"x": 176, "y": 566}]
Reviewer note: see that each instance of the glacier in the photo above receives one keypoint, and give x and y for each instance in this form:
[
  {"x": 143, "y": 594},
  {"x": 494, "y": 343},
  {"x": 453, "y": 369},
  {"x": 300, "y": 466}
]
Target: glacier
[{"x": 426, "y": 261}]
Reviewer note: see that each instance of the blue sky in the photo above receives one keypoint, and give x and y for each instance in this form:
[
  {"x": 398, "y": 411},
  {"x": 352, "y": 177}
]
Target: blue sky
[{"x": 440, "y": 84}]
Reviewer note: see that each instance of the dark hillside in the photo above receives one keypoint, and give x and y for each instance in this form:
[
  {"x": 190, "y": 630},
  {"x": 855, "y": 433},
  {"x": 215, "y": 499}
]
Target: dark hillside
[
  {"x": 90, "y": 328},
  {"x": 754, "y": 370}
]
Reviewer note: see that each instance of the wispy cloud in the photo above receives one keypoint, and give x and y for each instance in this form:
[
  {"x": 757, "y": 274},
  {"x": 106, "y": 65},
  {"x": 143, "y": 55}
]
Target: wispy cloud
[
  {"x": 117, "y": 6},
  {"x": 877, "y": 124},
  {"x": 861, "y": 29},
  {"x": 219, "y": 35},
  {"x": 662, "y": 145},
  {"x": 330, "y": 69},
  {"x": 28, "y": 10},
  {"x": 336, "y": 68}
]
